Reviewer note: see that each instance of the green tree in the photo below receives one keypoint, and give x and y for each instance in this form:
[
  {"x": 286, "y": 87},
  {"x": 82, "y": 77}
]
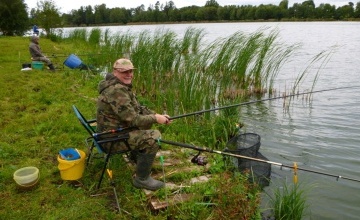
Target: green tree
[
  {"x": 233, "y": 10},
  {"x": 246, "y": 12},
  {"x": 102, "y": 14},
  {"x": 308, "y": 9},
  {"x": 67, "y": 19},
  {"x": 150, "y": 14},
  {"x": 169, "y": 6},
  {"x": 212, "y": 3},
  {"x": 265, "y": 12},
  {"x": 78, "y": 16},
  {"x": 283, "y": 10},
  {"x": 189, "y": 13},
  {"x": 223, "y": 13},
  {"x": 346, "y": 11},
  {"x": 284, "y": 4},
  {"x": 13, "y": 17},
  {"x": 157, "y": 12},
  {"x": 174, "y": 15},
  {"x": 296, "y": 11},
  {"x": 89, "y": 15},
  {"x": 118, "y": 15},
  {"x": 357, "y": 10},
  {"x": 47, "y": 16},
  {"x": 325, "y": 11},
  {"x": 207, "y": 13},
  {"x": 303, "y": 11},
  {"x": 139, "y": 13}
]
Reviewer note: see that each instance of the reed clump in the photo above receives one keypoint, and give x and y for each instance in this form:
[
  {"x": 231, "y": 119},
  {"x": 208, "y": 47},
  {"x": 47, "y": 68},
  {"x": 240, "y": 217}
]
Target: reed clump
[{"x": 289, "y": 202}]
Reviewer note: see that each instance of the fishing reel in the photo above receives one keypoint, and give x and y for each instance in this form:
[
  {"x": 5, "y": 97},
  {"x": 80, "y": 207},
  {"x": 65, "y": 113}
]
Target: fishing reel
[{"x": 199, "y": 160}]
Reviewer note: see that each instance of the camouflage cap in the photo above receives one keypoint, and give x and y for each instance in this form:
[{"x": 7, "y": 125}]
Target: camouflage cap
[{"x": 123, "y": 65}]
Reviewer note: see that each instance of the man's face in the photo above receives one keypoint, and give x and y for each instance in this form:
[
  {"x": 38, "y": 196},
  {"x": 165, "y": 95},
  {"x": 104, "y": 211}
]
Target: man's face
[{"x": 125, "y": 77}]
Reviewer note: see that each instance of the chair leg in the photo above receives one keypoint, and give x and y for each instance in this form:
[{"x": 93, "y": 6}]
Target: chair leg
[
  {"x": 104, "y": 168},
  {"x": 90, "y": 155}
]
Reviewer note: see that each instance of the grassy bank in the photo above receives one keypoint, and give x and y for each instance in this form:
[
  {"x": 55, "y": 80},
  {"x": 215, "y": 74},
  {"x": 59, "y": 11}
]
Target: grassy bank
[
  {"x": 37, "y": 122},
  {"x": 176, "y": 76}
]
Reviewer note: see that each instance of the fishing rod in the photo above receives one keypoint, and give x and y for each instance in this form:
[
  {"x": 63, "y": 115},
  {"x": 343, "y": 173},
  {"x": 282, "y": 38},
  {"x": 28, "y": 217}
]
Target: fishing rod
[
  {"x": 254, "y": 159},
  {"x": 93, "y": 54},
  {"x": 256, "y": 101}
]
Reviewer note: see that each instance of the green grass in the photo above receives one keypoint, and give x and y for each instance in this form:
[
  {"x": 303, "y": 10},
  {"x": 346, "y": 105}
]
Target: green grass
[
  {"x": 36, "y": 122},
  {"x": 289, "y": 202},
  {"x": 173, "y": 75}
]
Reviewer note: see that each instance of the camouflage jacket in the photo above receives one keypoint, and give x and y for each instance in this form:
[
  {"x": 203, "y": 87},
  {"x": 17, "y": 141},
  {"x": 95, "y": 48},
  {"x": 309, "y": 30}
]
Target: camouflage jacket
[{"x": 117, "y": 107}]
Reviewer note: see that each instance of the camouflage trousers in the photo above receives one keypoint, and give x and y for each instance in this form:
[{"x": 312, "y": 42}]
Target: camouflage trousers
[{"x": 140, "y": 140}]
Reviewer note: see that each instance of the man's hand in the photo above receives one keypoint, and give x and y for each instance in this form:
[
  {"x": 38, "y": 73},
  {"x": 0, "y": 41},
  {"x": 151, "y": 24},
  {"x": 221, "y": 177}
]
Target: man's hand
[{"x": 162, "y": 119}]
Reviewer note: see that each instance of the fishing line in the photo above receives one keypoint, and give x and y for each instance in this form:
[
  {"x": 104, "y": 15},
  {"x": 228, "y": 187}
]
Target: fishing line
[
  {"x": 255, "y": 159},
  {"x": 256, "y": 101}
]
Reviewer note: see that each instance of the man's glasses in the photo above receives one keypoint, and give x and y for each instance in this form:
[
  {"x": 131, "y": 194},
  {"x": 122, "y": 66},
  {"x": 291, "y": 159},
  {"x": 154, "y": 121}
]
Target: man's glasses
[{"x": 125, "y": 72}]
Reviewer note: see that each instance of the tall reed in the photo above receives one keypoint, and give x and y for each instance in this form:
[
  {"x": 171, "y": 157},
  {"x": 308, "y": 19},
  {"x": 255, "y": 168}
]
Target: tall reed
[
  {"x": 77, "y": 34},
  {"x": 95, "y": 37},
  {"x": 289, "y": 202},
  {"x": 180, "y": 75}
]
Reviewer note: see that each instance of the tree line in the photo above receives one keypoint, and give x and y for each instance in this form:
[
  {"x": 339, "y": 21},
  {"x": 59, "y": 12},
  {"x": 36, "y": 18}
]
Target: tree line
[
  {"x": 211, "y": 11},
  {"x": 15, "y": 18}
]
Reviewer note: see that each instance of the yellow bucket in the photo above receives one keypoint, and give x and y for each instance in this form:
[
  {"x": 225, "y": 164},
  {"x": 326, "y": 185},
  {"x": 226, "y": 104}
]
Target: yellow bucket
[{"x": 72, "y": 169}]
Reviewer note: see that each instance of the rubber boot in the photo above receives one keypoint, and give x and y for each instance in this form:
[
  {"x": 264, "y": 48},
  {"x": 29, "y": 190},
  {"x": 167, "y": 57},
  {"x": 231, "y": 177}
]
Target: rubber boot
[
  {"x": 51, "y": 67},
  {"x": 133, "y": 156},
  {"x": 143, "y": 180}
]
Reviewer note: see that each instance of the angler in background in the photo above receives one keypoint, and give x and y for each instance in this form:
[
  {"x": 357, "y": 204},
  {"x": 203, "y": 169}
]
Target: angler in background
[
  {"x": 118, "y": 107},
  {"x": 35, "y": 30},
  {"x": 37, "y": 55}
]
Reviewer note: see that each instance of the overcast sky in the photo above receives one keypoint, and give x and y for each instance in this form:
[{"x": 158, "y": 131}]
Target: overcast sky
[{"x": 66, "y": 6}]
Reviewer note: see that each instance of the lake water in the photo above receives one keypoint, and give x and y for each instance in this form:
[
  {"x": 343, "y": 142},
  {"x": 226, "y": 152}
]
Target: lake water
[{"x": 322, "y": 135}]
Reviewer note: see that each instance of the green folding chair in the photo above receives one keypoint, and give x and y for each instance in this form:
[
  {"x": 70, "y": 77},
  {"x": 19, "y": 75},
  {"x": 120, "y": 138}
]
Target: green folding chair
[{"x": 97, "y": 140}]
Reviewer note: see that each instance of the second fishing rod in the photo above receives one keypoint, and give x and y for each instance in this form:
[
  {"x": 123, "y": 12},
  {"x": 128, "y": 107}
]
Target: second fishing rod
[{"x": 204, "y": 149}]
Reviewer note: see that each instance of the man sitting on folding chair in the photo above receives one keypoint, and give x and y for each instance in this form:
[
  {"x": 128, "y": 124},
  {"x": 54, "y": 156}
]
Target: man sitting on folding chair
[{"x": 117, "y": 107}]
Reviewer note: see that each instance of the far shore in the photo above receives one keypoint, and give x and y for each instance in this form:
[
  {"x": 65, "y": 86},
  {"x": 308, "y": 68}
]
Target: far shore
[{"x": 197, "y": 22}]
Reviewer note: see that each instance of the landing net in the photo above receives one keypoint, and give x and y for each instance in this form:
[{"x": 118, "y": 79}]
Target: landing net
[{"x": 248, "y": 144}]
